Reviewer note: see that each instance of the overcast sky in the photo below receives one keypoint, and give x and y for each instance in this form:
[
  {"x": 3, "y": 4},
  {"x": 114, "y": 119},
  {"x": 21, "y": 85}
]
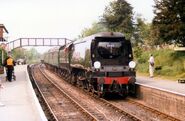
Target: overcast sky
[{"x": 57, "y": 18}]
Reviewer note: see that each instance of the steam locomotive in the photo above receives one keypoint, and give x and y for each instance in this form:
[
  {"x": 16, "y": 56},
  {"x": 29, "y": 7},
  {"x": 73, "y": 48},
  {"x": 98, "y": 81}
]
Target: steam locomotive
[{"x": 101, "y": 63}]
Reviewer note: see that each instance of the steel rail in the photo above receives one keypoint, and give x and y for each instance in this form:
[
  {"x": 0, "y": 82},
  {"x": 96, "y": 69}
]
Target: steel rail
[{"x": 52, "y": 115}]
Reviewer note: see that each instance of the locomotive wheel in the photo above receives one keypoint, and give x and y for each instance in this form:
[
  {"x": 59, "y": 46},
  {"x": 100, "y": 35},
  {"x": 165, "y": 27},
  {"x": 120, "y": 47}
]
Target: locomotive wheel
[
  {"x": 89, "y": 87},
  {"x": 93, "y": 91},
  {"x": 124, "y": 93},
  {"x": 124, "y": 96},
  {"x": 78, "y": 82},
  {"x": 85, "y": 84},
  {"x": 100, "y": 93},
  {"x": 73, "y": 79}
]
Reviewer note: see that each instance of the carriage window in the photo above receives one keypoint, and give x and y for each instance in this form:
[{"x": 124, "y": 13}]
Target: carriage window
[{"x": 110, "y": 50}]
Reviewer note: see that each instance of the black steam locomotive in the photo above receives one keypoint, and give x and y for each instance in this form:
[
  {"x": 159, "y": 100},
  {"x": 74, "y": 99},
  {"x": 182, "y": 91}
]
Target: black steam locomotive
[{"x": 101, "y": 63}]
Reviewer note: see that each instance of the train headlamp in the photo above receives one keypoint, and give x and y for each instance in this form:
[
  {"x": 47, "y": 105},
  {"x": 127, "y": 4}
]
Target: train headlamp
[
  {"x": 132, "y": 64},
  {"x": 97, "y": 64}
]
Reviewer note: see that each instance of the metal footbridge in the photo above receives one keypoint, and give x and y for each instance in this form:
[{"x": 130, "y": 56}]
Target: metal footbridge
[{"x": 22, "y": 42}]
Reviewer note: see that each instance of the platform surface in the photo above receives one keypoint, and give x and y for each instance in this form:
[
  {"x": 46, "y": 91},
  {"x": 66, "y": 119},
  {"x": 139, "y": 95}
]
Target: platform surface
[
  {"x": 163, "y": 84},
  {"x": 17, "y": 96}
]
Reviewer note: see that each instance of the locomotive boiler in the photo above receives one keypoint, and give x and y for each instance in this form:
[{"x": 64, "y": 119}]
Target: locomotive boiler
[{"x": 101, "y": 63}]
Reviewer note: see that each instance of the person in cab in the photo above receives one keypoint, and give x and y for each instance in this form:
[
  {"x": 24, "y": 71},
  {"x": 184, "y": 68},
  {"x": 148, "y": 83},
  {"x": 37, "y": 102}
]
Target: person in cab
[{"x": 9, "y": 63}]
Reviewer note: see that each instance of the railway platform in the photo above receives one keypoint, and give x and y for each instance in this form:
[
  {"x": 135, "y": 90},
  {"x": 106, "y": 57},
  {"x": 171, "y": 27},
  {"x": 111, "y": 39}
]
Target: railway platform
[
  {"x": 19, "y": 99},
  {"x": 162, "y": 84},
  {"x": 166, "y": 96}
]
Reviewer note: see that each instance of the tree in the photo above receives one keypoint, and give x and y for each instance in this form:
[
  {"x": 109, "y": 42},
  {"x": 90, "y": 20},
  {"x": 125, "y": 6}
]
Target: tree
[
  {"x": 19, "y": 53},
  {"x": 169, "y": 22},
  {"x": 142, "y": 31},
  {"x": 118, "y": 17},
  {"x": 33, "y": 55},
  {"x": 29, "y": 55}
]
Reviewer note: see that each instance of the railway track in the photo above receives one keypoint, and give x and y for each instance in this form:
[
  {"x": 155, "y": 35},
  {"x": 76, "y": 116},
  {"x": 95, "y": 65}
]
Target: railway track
[
  {"x": 60, "y": 104},
  {"x": 144, "y": 112},
  {"x": 131, "y": 107},
  {"x": 95, "y": 106},
  {"x": 46, "y": 108},
  {"x": 159, "y": 114}
]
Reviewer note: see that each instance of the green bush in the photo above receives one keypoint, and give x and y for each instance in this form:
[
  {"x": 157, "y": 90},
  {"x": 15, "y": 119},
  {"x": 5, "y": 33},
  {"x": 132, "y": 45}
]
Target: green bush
[
  {"x": 167, "y": 71},
  {"x": 143, "y": 68},
  {"x": 137, "y": 52}
]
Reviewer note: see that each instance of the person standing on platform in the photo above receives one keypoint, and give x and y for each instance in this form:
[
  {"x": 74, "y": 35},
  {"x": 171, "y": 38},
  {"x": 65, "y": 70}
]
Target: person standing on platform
[
  {"x": 151, "y": 66},
  {"x": 9, "y": 63}
]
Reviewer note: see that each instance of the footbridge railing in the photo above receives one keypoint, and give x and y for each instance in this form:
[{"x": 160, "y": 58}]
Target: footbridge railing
[{"x": 22, "y": 42}]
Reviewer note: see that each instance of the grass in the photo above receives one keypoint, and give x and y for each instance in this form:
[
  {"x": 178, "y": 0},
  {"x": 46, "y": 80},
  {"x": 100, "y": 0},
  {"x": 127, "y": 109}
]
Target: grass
[{"x": 170, "y": 64}]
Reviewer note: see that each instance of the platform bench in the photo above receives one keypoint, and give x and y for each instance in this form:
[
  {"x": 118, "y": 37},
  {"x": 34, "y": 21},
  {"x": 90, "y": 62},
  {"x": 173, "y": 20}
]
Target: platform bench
[{"x": 181, "y": 80}]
